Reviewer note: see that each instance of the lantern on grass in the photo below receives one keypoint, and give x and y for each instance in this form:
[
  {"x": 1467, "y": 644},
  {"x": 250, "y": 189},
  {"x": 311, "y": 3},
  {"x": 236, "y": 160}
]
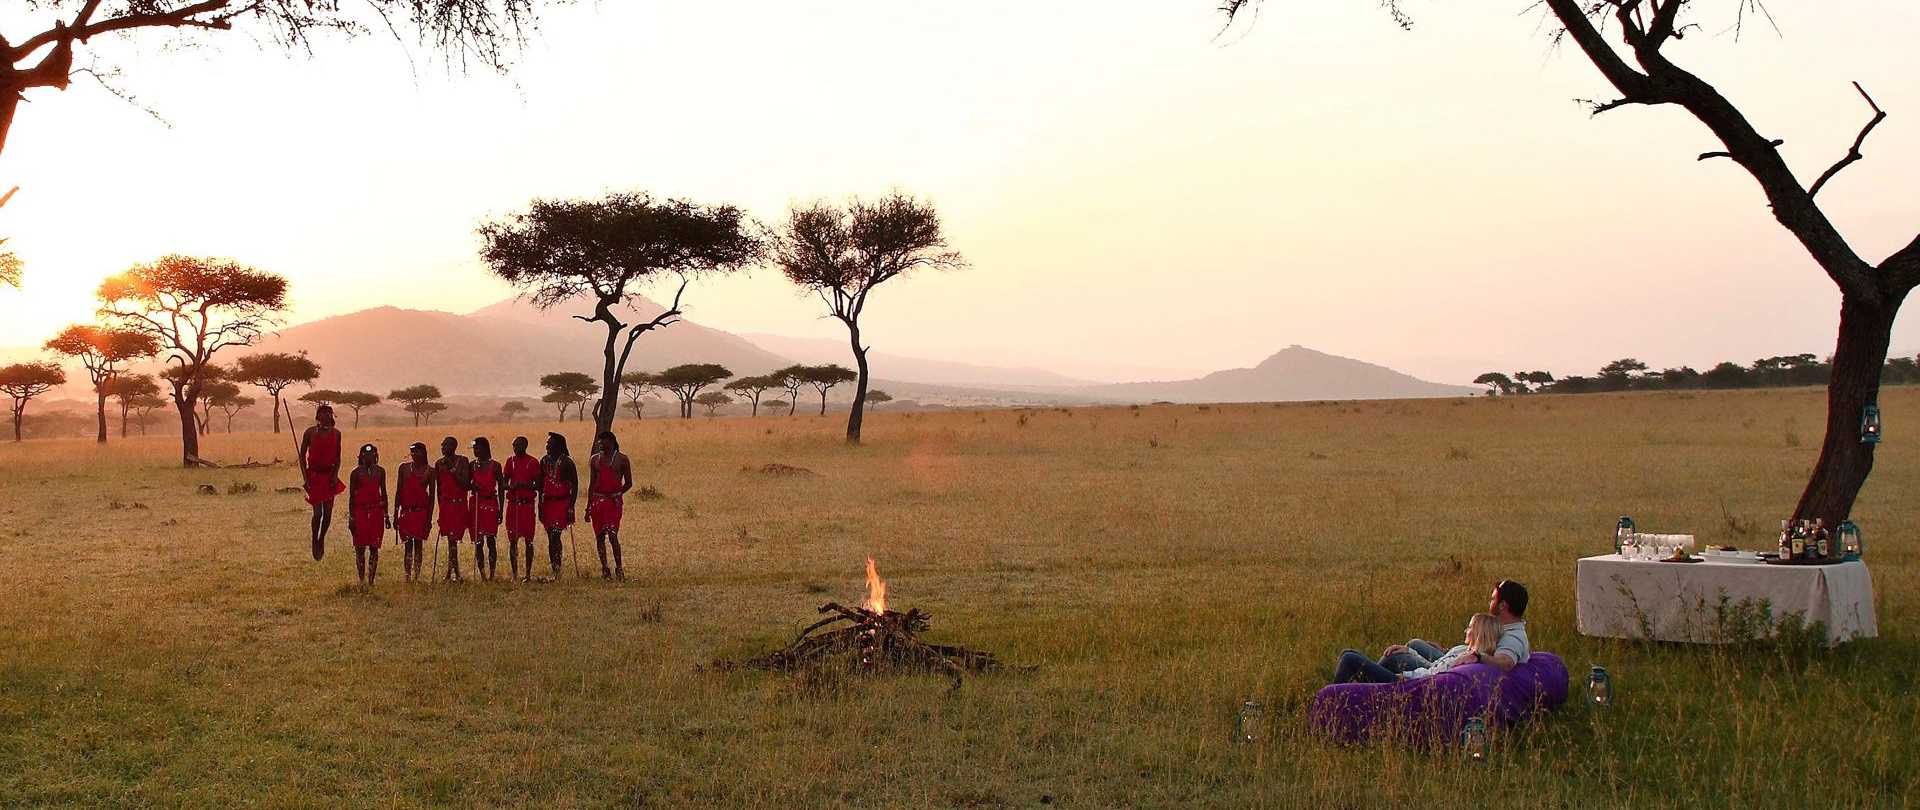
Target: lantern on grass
[
  {"x": 1473, "y": 739},
  {"x": 1249, "y": 721},
  {"x": 1599, "y": 688},
  {"x": 1851, "y": 543},
  {"x": 1870, "y": 424},
  {"x": 1623, "y": 532}
]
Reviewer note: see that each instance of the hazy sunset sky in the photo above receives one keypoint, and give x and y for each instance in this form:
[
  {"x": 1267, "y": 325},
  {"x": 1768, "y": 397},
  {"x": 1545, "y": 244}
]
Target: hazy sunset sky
[{"x": 1132, "y": 192}]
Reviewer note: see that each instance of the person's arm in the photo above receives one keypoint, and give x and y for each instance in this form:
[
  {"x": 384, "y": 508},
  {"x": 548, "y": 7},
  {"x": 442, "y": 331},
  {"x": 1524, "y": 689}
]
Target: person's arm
[
  {"x": 1503, "y": 660},
  {"x": 572, "y": 475},
  {"x": 393, "y": 506},
  {"x": 626, "y": 474},
  {"x": 463, "y": 472},
  {"x": 382, "y": 472},
  {"x": 500, "y": 493}
]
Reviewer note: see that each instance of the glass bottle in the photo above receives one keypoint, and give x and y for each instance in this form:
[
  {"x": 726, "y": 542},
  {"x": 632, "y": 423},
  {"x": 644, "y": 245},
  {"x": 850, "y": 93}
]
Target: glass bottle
[
  {"x": 1473, "y": 739},
  {"x": 1249, "y": 722},
  {"x": 1599, "y": 688}
]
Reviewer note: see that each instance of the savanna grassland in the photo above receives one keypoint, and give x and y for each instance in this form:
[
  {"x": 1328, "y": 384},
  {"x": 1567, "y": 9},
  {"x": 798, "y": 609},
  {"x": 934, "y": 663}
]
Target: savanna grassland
[{"x": 160, "y": 647}]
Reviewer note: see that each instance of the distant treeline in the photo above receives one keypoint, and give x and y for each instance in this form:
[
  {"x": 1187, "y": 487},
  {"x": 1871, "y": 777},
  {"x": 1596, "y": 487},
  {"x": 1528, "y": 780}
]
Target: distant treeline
[{"x": 1629, "y": 374}]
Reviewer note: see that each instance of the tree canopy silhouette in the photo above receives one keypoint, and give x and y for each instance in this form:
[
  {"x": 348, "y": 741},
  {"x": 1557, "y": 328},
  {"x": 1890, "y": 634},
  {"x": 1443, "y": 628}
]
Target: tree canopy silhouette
[
  {"x": 753, "y": 386},
  {"x": 130, "y": 389},
  {"x": 568, "y": 388},
  {"x": 512, "y": 408},
  {"x": 194, "y": 307},
  {"x": 843, "y": 253},
  {"x": 824, "y": 378},
  {"x": 791, "y": 378},
  {"x": 712, "y": 400},
  {"x": 1642, "y": 73},
  {"x": 484, "y": 32},
  {"x": 103, "y": 351},
  {"x": 635, "y": 385},
  {"x": 356, "y": 400},
  {"x": 686, "y": 381},
  {"x": 420, "y": 400},
  {"x": 274, "y": 371},
  {"x": 23, "y": 382},
  {"x": 608, "y": 250}
]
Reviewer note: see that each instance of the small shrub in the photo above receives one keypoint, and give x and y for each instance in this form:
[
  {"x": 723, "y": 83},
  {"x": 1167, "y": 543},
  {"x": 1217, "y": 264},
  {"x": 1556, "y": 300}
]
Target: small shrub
[
  {"x": 647, "y": 493},
  {"x": 1459, "y": 454},
  {"x": 1314, "y": 455},
  {"x": 1154, "y": 441}
]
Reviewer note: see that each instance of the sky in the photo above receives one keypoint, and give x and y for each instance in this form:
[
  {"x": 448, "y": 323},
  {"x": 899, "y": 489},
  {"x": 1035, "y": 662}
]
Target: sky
[{"x": 1138, "y": 194}]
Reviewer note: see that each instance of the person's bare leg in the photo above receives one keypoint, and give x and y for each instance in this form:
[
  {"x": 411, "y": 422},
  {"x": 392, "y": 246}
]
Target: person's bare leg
[
  {"x": 479, "y": 559},
  {"x": 527, "y": 542},
  {"x": 600, "y": 545},
  {"x": 553, "y": 551},
  {"x": 313, "y": 531},
  {"x": 513, "y": 557},
  {"x": 373, "y": 566},
  {"x": 619, "y": 570},
  {"x": 326, "y": 523},
  {"x": 360, "y": 565},
  {"x": 453, "y": 558}
]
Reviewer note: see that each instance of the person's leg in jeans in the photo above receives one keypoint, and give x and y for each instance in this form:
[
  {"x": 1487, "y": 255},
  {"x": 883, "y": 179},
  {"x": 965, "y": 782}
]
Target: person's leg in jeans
[
  {"x": 1426, "y": 649},
  {"x": 1419, "y": 653},
  {"x": 1355, "y": 666}
]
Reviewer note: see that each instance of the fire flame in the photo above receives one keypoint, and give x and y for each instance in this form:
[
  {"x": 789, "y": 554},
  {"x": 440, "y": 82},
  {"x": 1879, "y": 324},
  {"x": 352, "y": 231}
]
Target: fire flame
[{"x": 876, "y": 589}]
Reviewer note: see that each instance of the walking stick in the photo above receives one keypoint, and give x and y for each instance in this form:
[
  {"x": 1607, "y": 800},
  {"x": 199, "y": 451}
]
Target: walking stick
[
  {"x": 435, "y": 576},
  {"x": 573, "y": 542}
]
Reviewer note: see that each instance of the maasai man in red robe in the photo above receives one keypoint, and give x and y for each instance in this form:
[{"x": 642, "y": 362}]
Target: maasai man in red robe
[
  {"x": 559, "y": 495},
  {"x": 522, "y": 491},
  {"x": 320, "y": 463},
  {"x": 486, "y": 507},
  {"x": 413, "y": 508},
  {"x": 453, "y": 479},
  {"x": 367, "y": 515},
  {"x": 609, "y": 476}
]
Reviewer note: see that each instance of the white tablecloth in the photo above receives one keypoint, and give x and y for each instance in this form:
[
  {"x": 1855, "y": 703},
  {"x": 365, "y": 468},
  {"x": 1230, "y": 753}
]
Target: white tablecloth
[{"x": 1717, "y": 602}]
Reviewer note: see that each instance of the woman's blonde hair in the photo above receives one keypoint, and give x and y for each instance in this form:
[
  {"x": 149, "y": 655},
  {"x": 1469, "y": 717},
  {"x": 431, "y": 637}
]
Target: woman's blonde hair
[{"x": 1483, "y": 633}]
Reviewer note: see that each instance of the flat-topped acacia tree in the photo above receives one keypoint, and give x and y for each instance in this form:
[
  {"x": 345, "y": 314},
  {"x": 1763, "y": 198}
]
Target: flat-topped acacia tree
[
  {"x": 686, "y": 381},
  {"x": 1626, "y": 40},
  {"x": 275, "y": 371},
  {"x": 23, "y": 382},
  {"x": 103, "y": 351},
  {"x": 608, "y": 250},
  {"x": 419, "y": 401},
  {"x": 42, "y": 56},
  {"x": 751, "y": 387},
  {"x": 194, "y": 307},
  {"x": 843, "y": 253},
  {"x": 130, "y": 389}
]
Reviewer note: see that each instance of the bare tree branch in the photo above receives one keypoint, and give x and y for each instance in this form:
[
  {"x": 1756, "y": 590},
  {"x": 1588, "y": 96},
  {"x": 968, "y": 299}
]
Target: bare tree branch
[{"x": 1853, "y": 154}]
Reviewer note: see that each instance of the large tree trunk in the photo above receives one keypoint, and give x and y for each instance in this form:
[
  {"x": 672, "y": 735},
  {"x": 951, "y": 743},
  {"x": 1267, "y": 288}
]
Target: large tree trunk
[
  {"x": 100, "y": 414},
  {"x": 609, "y": 404},
  {"x": 1859, "y": 356},
  {"x": 123, "y": 417},
  {"x": 19, "y": 415},
  {"x": 189, "y": 432},
  {"x": 276, "y": 416},
  {"x": 856, "y": 415}
]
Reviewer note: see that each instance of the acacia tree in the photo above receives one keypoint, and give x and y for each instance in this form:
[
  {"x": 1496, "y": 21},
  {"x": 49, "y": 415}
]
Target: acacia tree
[
  {"x": 791, "y": 378},
  {"x": 842, "y": 254},
  {"x": 1496, "y": 382},
  {"x": 130, "y": 387},
  {"x": 752, "y": 387},
  {"x": 320, "y": 396},
  {"x": 212, "y": 378},
  {"x": 418, "y": 400},
  {"x": 511, "y": 409},
  {"x": 568, "y": 387},
  {"x": 877, "y": 397},
  {"x": 1642, "y": 74},
  {"x": 636, "y": 385},
  {"x": 102, "y": 351},
  {"x": 194, "y": 307},
  {"x": 712, "y": 400},
  {"x": 824, "y": 378},
  {"x": 144, "y": 405},
  {"x": 274, "y": 371},
  {"x": 685, "y": 381},
  {"x": 23, "y": 382},
  {"x": 231, "y": 405},
  {"x": 564, "y": 399},
  {"x": 469, "y": 31},
  {"x": 607, "y": 250},
  {"x": 214, "y": 395},
  {"x": 356, "y": 400}
]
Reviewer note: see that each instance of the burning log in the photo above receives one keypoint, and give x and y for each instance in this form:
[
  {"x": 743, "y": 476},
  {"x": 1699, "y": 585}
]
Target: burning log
[{"x": 873, "y": 640}]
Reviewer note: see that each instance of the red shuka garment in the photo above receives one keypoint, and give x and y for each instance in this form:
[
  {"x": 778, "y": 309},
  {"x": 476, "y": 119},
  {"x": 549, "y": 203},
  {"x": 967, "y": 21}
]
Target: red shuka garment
[
  {"x": 416, "y": 508},
  {"x": 454, "y": 516},
  {"x": 603, "y": 501},
  {"x": 521, "y": 502},
  {"x": 323, "y": 467},
  {"x": 369, "y": 519},
  {"x": 486, "y": 498},
  {"x": 554, "y": 497}
]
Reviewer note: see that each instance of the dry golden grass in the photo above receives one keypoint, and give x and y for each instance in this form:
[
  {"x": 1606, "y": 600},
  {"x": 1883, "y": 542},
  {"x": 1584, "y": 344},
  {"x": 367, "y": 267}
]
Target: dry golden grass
[{"x": 1160, "y": 565}]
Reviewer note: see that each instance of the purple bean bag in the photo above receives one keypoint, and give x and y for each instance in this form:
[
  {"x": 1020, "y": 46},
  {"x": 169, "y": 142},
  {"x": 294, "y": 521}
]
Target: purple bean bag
[{"x": 1432, "y": 709}]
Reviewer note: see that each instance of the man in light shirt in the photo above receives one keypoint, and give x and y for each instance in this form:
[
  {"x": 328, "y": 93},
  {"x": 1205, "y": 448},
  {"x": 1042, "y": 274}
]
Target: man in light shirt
[{"x": 1508, "y": 603}]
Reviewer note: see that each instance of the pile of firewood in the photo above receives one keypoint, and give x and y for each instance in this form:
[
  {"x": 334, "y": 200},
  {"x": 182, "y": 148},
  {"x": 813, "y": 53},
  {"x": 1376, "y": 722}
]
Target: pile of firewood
[{"x": 870, "y": 642}]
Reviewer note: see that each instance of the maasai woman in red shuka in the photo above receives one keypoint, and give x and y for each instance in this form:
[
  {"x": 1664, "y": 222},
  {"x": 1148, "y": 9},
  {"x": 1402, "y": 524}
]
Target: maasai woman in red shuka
[
  {"x": 559, "y": 495},
  {"x": 320, "y": 462},
  {"x": 485, "y": 505},
  {"x": 523, "y": 497},
  {"x": 367, "y": 514},
  {"x": 609, "y": 478},
  {"x": 454, "y": 481}
]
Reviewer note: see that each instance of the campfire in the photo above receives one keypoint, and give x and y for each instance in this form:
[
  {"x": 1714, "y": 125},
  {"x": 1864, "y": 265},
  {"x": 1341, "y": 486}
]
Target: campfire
[{"x": 872, "y": 639}]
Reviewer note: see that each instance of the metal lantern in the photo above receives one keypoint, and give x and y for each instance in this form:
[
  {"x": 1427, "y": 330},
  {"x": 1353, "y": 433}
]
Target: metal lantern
[
  {"x": 1249, "y": 722},
  {"x": 1870, "y": 424},
  {"x": 1473, "y": 739},
  {"x": 1621, "y": 532},
  {"x": 1599, "y": 688},
  {"x": 1851, "y": 543}
]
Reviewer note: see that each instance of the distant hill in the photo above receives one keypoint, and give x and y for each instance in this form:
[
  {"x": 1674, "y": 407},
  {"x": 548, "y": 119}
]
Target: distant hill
[
  {"x": 816, "y": 351},
  {"x": 502, "y": 349},
  {"x": 1294, "y": 373}
]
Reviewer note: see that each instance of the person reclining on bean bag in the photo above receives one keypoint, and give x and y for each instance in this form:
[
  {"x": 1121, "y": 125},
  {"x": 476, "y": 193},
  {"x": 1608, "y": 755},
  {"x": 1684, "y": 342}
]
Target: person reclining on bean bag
[{"x": 1507, "y": 604}]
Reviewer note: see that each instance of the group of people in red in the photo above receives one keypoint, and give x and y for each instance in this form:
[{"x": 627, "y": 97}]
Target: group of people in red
[{"x": 473, "y": 498}]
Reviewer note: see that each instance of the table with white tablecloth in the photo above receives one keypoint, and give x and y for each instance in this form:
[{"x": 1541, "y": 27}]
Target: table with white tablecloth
[{"x": 1719, "y": 600}]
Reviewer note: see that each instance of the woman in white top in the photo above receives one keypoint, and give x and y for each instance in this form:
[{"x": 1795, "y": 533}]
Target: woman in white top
[{"x": 1483, "y": 634}]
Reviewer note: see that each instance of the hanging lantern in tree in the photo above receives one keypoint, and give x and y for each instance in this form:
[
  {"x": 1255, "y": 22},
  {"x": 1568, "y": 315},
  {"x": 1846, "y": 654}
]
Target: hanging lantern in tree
[
  {"x": 1622, "y": 532},
  {"x": 1473, "y": 739},
  {"x": 1851, "y": 543},
  {"x": 1870, "y": 424},
  {"x": 1599, "y": 688}
]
